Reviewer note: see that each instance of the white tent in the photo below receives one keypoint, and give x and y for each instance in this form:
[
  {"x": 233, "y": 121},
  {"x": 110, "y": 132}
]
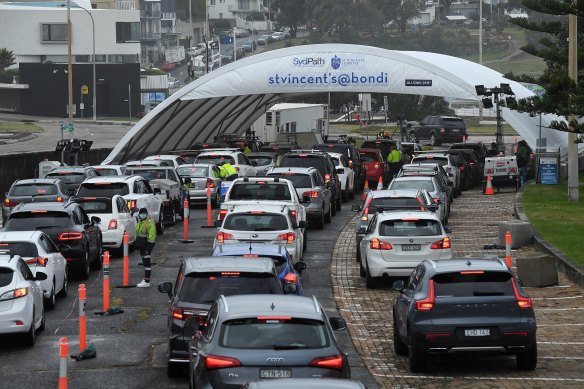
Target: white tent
[{"x": 230, "y": 99}]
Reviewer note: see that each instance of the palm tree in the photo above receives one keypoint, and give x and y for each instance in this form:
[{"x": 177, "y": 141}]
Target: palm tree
[{"x": 6, "y": 58}]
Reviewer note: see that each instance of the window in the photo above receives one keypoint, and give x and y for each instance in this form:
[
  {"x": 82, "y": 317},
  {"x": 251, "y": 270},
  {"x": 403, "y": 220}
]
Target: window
[
  {"x": 277, "y": 118},
  {"x": 25, "y": 270},
  {"x": 243, "y": 4},
  {"x": 268, "y": 118},
  {"x": 293, "y": 127},
  {"x": 83, "y": 58},
  {"x": 54, "y": 32},
  {"x": 127, "y": 32},
  {"x": 212, "y": 2},
  {"x": 24, "y": 249}
]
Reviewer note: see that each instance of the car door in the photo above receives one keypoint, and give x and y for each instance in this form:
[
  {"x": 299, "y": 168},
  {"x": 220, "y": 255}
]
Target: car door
[
  {"x": 349, "y": 172},
  {"x": 56, "y": 260},
  {"x": 36, "y": 289},
  {"x": 318, "y": 182},
  {"x": 245, "y": 165},
  {"x": 125, "y": 216},
  {"x": 406, "y": 298}
]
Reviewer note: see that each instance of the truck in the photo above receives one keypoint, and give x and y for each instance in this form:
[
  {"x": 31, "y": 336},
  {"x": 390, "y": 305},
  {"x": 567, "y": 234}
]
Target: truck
[
  {"x": 175, "y": 54},
  {"x": 503, "y": 172}
]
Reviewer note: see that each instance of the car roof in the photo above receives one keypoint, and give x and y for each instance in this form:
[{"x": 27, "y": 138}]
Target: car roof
[
  {"x": 336, "y": 155},
  {"x": 253, "y": 248},
  {"x": 400, "y": 214},
  {"x": 218, "y": 264},
  {"x": 271, "y": 305},
  {"x": 263, "y": 154},
  {"x": 413, "y": 177},
  {"x": 225, "y": 151},
  {"x": 161, "y": 156},
  {"x": 19, "y": 236},
  {"x": 124, "y": 178},
  {"x": 72, "y": 169},
  {"x": 97, "y": 167},
  {"x": 271, "y": 180},
  {"x": 42, "y": 205},
  {"x": 462, "y": 264},
  {"x": 264, "y": 206},
  {"x": 149, "y": 168},
  {"x": 304, "y": 170},
  {"x": 28, "y": 181},
  {"x": 207, "y": 165},
  {"x": 368, "y": 150}
]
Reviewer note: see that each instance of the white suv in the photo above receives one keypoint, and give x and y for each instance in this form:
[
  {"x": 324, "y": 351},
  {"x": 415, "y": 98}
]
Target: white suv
[
  {"x": 446, "y": 161},
  {"x": 134, "y": 189},
  {"x": 232, "y": 156}
]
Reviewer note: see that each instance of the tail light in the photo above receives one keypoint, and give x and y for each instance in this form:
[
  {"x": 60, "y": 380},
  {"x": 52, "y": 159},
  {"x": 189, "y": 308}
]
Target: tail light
[
  {"x": 222, "y": 213},
  {"x": 428, "y": 303},
  {"x": 289, "y": 237},
  {"x": 472, "y": 164},
  {"x": 327, "y": 177},
  {"x": 441, "y": 244},
  {"x": 442, "y": 130},
  {"x": 436, "y": 200},
  {"x": 14, "y": 294},
  {"x": 210, "y": 183},
  {"x": 461, "y": 168},
  {"x": 41, "y": 261},
  {"x": 365, "y": 216},
  {"x": 71, "y": 236},
  {"x": 379, "y": 244},
  {"x": 465, "y": 137},
  {"x": 9, "y": 203},
  {"x": 376, "y": 166},
  {"x": 59, "y": 199},
  {"x": 294, "y": 213},
  {"x": 132, "y": 204},
  {"x": 336, "y": 362},
  {"x": 522, "y": 302},
  {"x": 184, "y": 314},
  {"x": 434, "y": 335},
  {"x": 113, "y": 225},
  {"x": 223, "y": 236},
  {"x": 237, "y": 169},
  {"x": 291, "y": 278},
  {"x": 311, "y": 193},
  {"x": 351, "y": 164},
  {"x": 215, "y": 362}
]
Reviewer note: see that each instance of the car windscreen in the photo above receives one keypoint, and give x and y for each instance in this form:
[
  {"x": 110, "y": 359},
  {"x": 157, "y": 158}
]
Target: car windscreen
[
  {"x": 403, "y": 227},
  {"x": 103, "y": 189},
  {"x": 452, "y": 122},
  {"x": 255, "y": 222},
  {"x": 413, "y": 184},
  {"x": 303, "y": 161},
  {"x": 298, "y": 180},
  {"x": 24, "y": 249},
  {"x": 5, "y": 276},
  {"x": 193, "y": 171},
  {"x": 215, "y": 159},
  {"x": 396, "y": 202},
  {"x": 68, "y": 178},
  {"x": 274, "y": 333},
  {"x": 107, "y": 172},
  {"x": 473, "y": 284},
  {"x": 95, "y": 206},
  {"x": 436, "y": 160},
  {"x": 258, "y": 191},
  {"x": 369, "y": 157},
  {"x": 204, "y": 288},
  {"x": 149, "y": 174},
  {"x": 40, "y": 220},
  {"x": 33, "y": 190},
  {"x": 260, "y": 160}
]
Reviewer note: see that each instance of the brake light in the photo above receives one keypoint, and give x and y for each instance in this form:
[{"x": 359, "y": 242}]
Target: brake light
[
  {"x": 131, "y": 204},
  {"x": 428, "y": 303},
  {"x": 274, "y": 318},
  {"x": 351, "y": 163},
  {"x": 214, "y": 362},
  {"x": 434, "y": 336},
  {"x": 14, "y": 294},
  {"x": 230, "y": 274},
  {"x": 436, "y": 200},
  {"x": 237, "y": 169},
  {"x": 311, "y": 193},
  {"x": 379, "y": 245},
  {"x": 516, "y": 333},
  {"x": 294, "y": 216},
  {"x": 256, "y": 212},
  {"x": 522, "y": 302},
  {"x": 113, "y": 225},
  {"x": 365, "y": 216},
  {"x": 222, "y": 214},
  {"x": 289, "y": 237},
  {"x": 441, "y": 244},
  {"x": 291, "y": 278},
  {"x": 210, "y": 183},
  {"x": 472, "y": 164},
  {"x": 71, "y": 236},
  {"x": 376, "y": 166},
  {"x": 39, "y": 261},
  {"x": 472, "y": 272},
  {"x": 59, "y": 199},
  {"x": 335, "y": 362},
  {"x": 223, "y": 236},
  {"x": 9, "y": 203},
  {"x": 461, "y": 168},
  {"x": 38, "y": 211},
  {"x": 181, "y": 314},
  {"x": 327, "y": 177}
]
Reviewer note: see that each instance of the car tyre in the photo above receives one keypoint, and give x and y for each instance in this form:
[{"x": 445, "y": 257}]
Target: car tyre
[
  {"x": 160, "y": 224},
  {"x": 527, "y": 360},
  {"x": 52, "y": 300},
  {"x": 304, "y": 242},
  {"x": 30, "y": 337},
  {"x": 84, "y": 267},
  {"x": 328, "y": 217},
  {"x": 339, "y": 204},
  {"x": 399, "y": 347},
  {"x": 362, "y": 272},
  {"x": 333, "y": 206},
  {"x": 370, "y": 282},
  {"x": 174, "y": 370},
  {"x": 97, "y": 262},
  {"x": 43, "y": 321},
  {"x": 65, "y": 289},
  {"x": 418, "y": 361},
  {"x": 358, "y": 256}
]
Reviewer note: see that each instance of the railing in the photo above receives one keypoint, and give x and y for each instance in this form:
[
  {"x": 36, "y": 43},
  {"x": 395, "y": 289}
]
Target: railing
[
  {"x": 151, "y": 35},
  {"x": 126, "y": 5},
  {"x": 150, "y": 14}
]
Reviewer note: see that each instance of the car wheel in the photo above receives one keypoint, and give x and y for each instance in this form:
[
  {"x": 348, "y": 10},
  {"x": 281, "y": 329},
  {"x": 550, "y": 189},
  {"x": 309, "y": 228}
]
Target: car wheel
[
  {"x": 345, "y": 193},
  {"x": 358, "y": 256},
  {"x": 160, "y": 224},
  {"x": 527, "y": 360},
  {"x": 399, "y": 347},
  {"x": 328, "y": 217},
  {"x": 30, "y": 336},
  {"x": 339, "y": 204},
  {"x": 417, "y": 359},
  {"x": 370, "y": 282},
  {"x": 433, "y": 140},
  {"x": 65, "y": 289},
  {"x": 173, "y": 369},
  {"x": 51, "y": 301},
  {"x": 84, "y": 265},
  {"x": 362, "y": 272},
  {"x": 173, "y": 219},
  {"x": 333, "y": 206},
  {"x": 97, "y": 262}
]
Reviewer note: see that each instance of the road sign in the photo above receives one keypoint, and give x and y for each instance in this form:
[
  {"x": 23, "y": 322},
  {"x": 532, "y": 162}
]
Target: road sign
[{"x": 84, "y": 89}]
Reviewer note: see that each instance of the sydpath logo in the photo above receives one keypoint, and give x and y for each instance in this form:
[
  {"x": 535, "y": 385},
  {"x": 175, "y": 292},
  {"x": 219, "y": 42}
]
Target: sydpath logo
[{"x": 308, "y": 62}]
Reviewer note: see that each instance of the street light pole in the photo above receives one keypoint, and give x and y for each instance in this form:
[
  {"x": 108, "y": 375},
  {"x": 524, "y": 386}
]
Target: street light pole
[
  {"x": 69, "y": 65},
  {"x": 93, "y": 67}
]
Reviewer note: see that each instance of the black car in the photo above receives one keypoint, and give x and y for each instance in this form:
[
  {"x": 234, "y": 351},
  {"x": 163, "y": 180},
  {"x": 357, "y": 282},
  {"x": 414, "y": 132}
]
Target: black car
[
  {"x": 352, "y": 154},
  {"x": 73, "y": 176},
  {"x": 463, "y": 306},
  {"x": 439, "y": 129},
  {"x": 477, "y": 165},
  {"x": 464, "y": 167},
  {"x": 66, "y": 224},
  {"x": 479, "y": 148},
  {"x": 322, "y": 162}
]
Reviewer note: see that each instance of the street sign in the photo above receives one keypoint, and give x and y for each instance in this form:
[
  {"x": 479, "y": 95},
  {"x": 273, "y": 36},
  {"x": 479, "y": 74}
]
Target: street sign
[
  {"x": 548, "y": 170},
  {"x": 84, "y": 89}
]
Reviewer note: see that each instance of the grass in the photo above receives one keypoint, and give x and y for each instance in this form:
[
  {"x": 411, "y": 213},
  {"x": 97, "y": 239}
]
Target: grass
[
  {"x": 559, "y": 222},
  {"x": 17, "y": 127},
  {"x": 531, "y": 67}
]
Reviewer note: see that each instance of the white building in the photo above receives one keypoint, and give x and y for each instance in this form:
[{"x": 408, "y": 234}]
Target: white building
[
  {"x": 37, "y": 32},
  {"x": 236, "y": 11}
]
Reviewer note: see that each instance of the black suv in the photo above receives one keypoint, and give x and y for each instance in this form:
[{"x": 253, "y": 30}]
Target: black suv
[
  {"x": 352, "y": 154},
  {"x": 322, "y": 162},
  {"x": 479, "y": 148},
  {"x": 73, "y": 176},
  {"x": 463, "y": 306},
  {"x": 66, "y": 224},
  {"x": 477, "y": 165},
  {"x": 439, "y": 129}
]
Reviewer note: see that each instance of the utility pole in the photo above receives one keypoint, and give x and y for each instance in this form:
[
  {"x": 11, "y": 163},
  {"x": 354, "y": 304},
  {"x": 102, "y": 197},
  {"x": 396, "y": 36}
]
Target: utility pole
[
  {"x": 480, "y": 49},
  {"x": 69, "y": 65},
  {"x": 573, "y": 191}
]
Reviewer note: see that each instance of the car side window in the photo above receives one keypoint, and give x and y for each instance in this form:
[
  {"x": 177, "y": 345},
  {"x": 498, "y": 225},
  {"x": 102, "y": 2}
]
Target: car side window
[
  {"x": 180, "y": 161},
  {"x": 45, "y": 245},
  {"x": 82, "y": 215},
  {"x": 179, "y": 278},
  {"x": 372, "y": 224},
  {"x": 344, "y": 161},
  {"x": 63, "y": 188},
  {"x": 146, "y": 187},
  {"x": 209, "y": 326},
  {"x": 319, "y": 179},
  {"x": 24, "y": 270},
  {"x": 414, "y": 280}
]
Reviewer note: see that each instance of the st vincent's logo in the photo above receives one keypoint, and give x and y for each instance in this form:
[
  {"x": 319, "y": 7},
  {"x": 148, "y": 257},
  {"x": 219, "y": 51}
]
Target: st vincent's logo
[{"x": 335, "y": 62}]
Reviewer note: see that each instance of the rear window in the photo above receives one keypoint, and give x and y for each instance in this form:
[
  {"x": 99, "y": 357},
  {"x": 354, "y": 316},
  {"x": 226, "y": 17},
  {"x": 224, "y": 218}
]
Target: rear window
[
  {"x": 261, "y": 161},
  {"x": 95, "y": 206},
  {"x": 298, "y": 180},
  {"x": 394, "y": 202},
  {"x": 105, "y": 189},
  {"x": 107, "y": 172},
  {"x": 451, "y": 122},
  {"x": 255, "y": 222},
  {"x": 149, "y": 174},
  {"x": 27, "y": 221},
  {"x": 409, "y": 228},
  {"x": 68, "y": 178},
  {"x": 24, "y": 249},
  {"x": 254, "y": 191},
  {"x": 5, "y": 276},
  {"x": 413, "y": 184},
  {"x": 204, "y": 288},
  {"x": 277, "y": 333},
  {"x": 335, "y": 149},
  {"x": 430, "y": 159},
  {"x": 193, "y": 171},
  {"x": 33, "y": 190},
  {"x": 369, "y": 157},
  {"x": 473, "y": 285},
  {"x": 216, "y": 159},
  {"x": 304, "y": 161}
]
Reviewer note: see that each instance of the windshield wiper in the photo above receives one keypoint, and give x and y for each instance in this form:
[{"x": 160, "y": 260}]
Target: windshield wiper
[{"x": 291, "y": 346}]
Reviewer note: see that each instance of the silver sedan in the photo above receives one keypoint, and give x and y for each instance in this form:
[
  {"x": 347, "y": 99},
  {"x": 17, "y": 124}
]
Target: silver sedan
[{"x": 202, "y": 176}]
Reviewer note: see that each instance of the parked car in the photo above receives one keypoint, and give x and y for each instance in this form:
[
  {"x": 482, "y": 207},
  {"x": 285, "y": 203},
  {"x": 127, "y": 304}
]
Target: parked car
[
  {"x": 439, "y": 129},
  {"x": 278, "y": 36},
  {"x": 375, "y": 167},
  {"x": 352, "y": 154},
  {"x": 167, "y": 66},
  {"x": 110, "y": 170},
  {"x": 464, "y": 167},
  {"x": 249, "y": 46},
  {"x": 33, "y": 190},
  {"x": 72, "y": 176},
  {"x": 202, "y": 176},
  {"x": 264, "y": 40},
  {"x": 462, "y": 306}
]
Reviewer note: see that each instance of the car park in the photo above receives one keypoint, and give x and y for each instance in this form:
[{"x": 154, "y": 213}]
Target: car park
[
  {"x": 115, "y": 219},
  {"x": 33, "y": 190},
  {"x": 21, "y": 299},
  {"x": 463, "y": 306},
  {"x": 203, "y": 176},
  {"x": 266, "y": 337},
  {"x": 41, "y": 255},
  {"x": 72, "y": 176},
  {"x": 200, "y": 281},
  {"x": 447, "y": 162},
  {"x": 375, "y": 166},
  {"x": 110, "y": 170},
  {"x": 395, "y": 242},
  {"x": 264, "y": 161},
  {"x": 66, "y": 224},
  {"x": 428, "y": 183},
  {"x": 352, "y": 154},
  {"x": 439, "y": 129},
  {"x": 346, "y": 175}
]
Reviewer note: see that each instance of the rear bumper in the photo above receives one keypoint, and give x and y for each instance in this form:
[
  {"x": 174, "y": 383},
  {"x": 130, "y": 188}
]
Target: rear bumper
[
  {"x": 21, "y": 311},
  {"x": 112, "y": 238},
  {"x": 200, "y": 195}
]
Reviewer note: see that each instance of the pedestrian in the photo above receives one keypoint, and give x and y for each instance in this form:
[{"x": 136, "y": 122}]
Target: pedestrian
[
  {"x": 394, "y": 159},
  {"x": 145, "y": 241},
  {"x": 227, "y": 171},
  {"x": 403, "y": 128},
  {"x": 522, "y": 154}
]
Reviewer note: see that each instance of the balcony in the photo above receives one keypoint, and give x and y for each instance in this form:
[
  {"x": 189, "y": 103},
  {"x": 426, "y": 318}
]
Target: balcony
[
  {"x": 150, "y": 36},
  {"x": 126, "y": 5},
  {"x": 146, "y": 14}
]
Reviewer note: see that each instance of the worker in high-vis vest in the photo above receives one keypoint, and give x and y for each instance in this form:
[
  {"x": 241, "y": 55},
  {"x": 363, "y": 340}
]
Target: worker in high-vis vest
[
  {"x": 394, "y": 159},
  {"x": 145, "y": 241},
  {"x": 227, "y": 170}
]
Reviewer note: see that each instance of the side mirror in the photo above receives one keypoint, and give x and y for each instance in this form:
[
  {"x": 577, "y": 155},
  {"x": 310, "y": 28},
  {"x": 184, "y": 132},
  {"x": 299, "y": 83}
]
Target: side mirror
[
  {"x": 398, "y": 286},
  {"x": 299, "y": 266},
  {"x": 356, "y": 207},
  {"x": 302, "y": 224},
  {"x": 134, "y": 210},
  {"x": 218, "y": 223},
  {"x": 40, "y": 276},
  {"x": 341, "y": 171},
  {"x": 338, "y": 323},
  {"x": 64, "y": 248},
  {"x": 372, "y": 209},
  {"x": 95, "y": 220},
  {"x": 448, "y": 230},
  {"x": 165, "y": 287},
  {"x": 362, "y": 230},
  {"x": 289, "y": 288},
  {"x": 157, "y": 191}
]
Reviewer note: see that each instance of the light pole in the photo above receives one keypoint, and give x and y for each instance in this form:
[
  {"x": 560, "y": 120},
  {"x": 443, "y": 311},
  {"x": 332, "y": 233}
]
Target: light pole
[
  {"x": 69, "y": 65},
  {"x": 93, "y": 67},
  {"x": 503, "y": 89}
]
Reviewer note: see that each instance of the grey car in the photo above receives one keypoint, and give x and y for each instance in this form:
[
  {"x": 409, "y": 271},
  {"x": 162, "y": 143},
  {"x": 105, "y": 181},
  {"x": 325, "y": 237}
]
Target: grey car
[
  {"x": 202, "y": 176},
  {"x": 33, "y": 190},
  {"x": 265, "y": 337},
  {"x": 264, "y": 161},
  {"x": 313, "y": 191},
  {"x": 73, "y": 176},
  {"x": 429, "y": 183}
]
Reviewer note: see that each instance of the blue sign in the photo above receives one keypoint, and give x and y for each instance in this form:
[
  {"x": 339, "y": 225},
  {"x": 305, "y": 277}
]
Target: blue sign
[{"x": 548, "y": 171}]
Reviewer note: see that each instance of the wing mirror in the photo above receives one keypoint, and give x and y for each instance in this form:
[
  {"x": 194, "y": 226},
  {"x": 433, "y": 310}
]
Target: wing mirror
[
  {"x": 218, "y": 223},
  {"x": 300, "y": 266},
  {"x": 64, "y": 249},
  {"x": 398, "y": 286},
  {"x": 338, "y": 323},
  {"x": 356, "y": 207},
  {"x": 448, "y": 230},
  {"x": 289, "y": 288},
  {"x": 166, "y": 287},
  {"x": 95, "y": 220},
  {"x": 40, "y": 276},
  {"x": 362, "y": 230}
]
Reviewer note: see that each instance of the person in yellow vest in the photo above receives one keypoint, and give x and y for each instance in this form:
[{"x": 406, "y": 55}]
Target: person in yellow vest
[
  {"x": 145, "y": 241},
  {"x": 394, "y": 159},
  {"x": 227, "y": 170},
  {"x": 247, "y": 149}
]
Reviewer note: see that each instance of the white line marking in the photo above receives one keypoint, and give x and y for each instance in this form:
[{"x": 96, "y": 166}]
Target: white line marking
[{"x": 557, "y": 298}]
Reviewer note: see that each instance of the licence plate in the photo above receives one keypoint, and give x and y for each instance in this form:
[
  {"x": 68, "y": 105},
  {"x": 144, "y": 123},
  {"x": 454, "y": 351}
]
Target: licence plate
[
  {"x": 275, "y": 373},
  {"x": 477, "y": 332},
  {"x": 410, "y": 247},
  {"x": 455, "y": 130},
  {"x": 502, "y": 170}
]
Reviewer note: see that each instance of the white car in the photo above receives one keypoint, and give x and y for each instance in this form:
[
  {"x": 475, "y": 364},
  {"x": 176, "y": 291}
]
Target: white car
[
  {"x": 428, "y": 183},
  {"x": 346, "y": 175},
  {"x": 110, "y": 170},
  {"x": 134, "y": 189},
  {"x": 446, "y": 161},
  {"x": 168, "y": 160},
  {"x": 116, "y": 218},
  {"x": 278, "y": 36},
  {"x": 262, "y": 223},
  {"x": 395, "y": 242},
  {"x": 21, "y": 298},
  {"x": 233, "y": 156},
  {"x": 42, "y": 255}
]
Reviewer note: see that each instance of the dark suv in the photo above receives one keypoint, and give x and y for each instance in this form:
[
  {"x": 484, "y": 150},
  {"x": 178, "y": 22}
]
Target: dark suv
[
  {"x": 73, "y": 176},
  {"x": 33, "y": 190},
  {"x": 322, "y": 162},
  {"x": 460, "y": 306},
  {"x": 384, "y": 146},
  {"x": 439, "y": 129},
  {"x": 475, "y": 162},
  {"x": 352, "y": 154}
]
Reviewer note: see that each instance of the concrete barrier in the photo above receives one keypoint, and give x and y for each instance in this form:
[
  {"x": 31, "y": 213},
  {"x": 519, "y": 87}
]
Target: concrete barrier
[
  {"x": 521, "y": 233},
  {"x": 537, "y": 270}
]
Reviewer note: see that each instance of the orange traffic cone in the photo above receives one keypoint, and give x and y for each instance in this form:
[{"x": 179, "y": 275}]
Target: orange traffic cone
[
  {"x": 365, "y": 190},
  {"x": 489, "y": 189},
  {"x": 380, "y": 183}
]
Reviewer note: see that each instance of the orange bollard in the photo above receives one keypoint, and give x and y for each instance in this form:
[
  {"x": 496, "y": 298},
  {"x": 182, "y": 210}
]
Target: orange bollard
[
  {"x": 508, "y": 260},
  {"x": 380, "y": 183},
  {"x": 365, "y": 190},
  {"x": 186, "y": 223},
  {"x": 209, "y": 211},
  {"x": 82, "y": 319},
  {"x": 489, "y": 188},
  {"x": 63, "y": 358},
  {"x": 126, "y": 262},
  {"x": 106, "y": 283}
]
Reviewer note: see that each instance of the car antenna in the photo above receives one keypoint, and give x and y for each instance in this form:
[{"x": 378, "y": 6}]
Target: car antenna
[{"x": 250, "y": 248}]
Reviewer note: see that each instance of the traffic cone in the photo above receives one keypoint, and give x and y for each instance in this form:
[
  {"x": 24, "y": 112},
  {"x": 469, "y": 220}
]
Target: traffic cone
[
  {"x": 489, "y": 189},
  {"x": 380, "y": 183},
  {"x": 365, "y": 190}
]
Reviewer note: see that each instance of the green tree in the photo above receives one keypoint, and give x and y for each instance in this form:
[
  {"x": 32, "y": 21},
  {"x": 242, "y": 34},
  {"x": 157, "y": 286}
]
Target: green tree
[
  {"x": 291, "y": 14},
  {"x": 6, "y": 58},
  {"x": 255, "y": 16}
]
